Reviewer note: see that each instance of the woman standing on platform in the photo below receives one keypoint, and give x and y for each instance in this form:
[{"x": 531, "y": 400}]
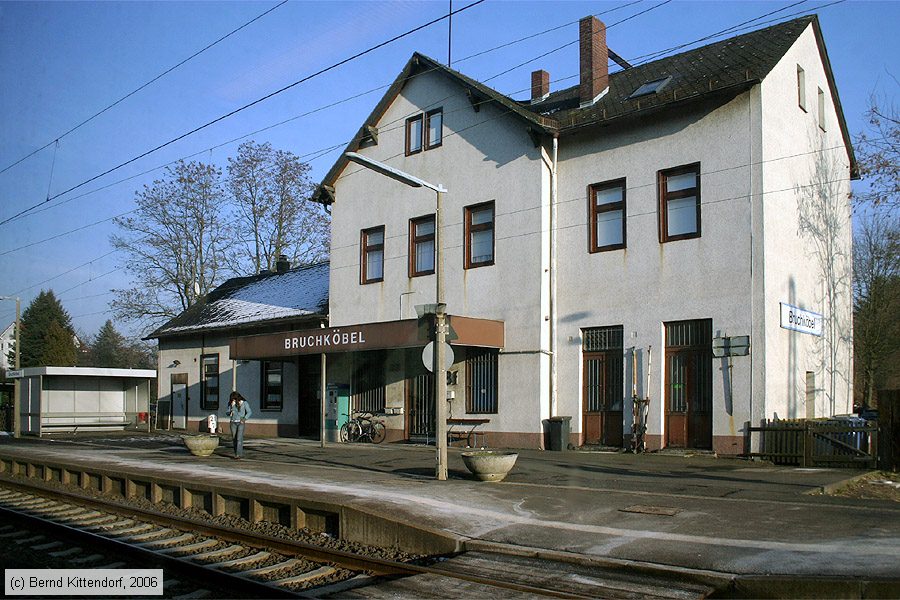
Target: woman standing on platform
[{"x": 239, "y": 411}]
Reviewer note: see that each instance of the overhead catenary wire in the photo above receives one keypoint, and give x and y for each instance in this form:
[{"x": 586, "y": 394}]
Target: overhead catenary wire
[
  {"x": 318, "y": 153},
  {"x": 244, "y": 107},
  {"x": 141, "y": 87},
  {"x": 580, "y": 198},
  {"x": 315, "y": 153},
  {"x": 396, "y": 121}
]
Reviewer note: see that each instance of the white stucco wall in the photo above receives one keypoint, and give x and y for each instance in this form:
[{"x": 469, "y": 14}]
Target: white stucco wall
[
  {"x": 243, "y": 376},
  {"x": 806, "y": 179},
  {"x": 650, "y": 283},
  {"x": 485, "y": 155}
]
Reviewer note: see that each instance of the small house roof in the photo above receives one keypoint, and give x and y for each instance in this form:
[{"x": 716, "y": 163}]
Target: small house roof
[{"x": 266, "y": 298}]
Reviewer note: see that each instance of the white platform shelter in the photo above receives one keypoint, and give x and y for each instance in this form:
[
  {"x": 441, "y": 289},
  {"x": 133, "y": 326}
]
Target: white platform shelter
[{"x": 67, "y": 399}]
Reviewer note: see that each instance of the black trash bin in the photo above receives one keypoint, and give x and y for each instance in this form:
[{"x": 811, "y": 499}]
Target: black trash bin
[{"x": 559, "y": 433}]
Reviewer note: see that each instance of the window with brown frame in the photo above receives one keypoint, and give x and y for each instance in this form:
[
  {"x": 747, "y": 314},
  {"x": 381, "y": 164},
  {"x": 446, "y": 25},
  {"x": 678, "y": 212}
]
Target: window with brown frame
[
  {"x": 371, "y": 268},
  {"x": 209, "y": 382},
  {"x": 414, "y": 135},
  {"x": 679, "y": 203},
  {"x": 434, "y": 121},
  {"x": 479, "y": 235},
  {"x": 272, "y": 388},
  {"x": 425, "y": 131},
  {"x": 421, "y": 246},
  {"x": 607, "y": 214}
]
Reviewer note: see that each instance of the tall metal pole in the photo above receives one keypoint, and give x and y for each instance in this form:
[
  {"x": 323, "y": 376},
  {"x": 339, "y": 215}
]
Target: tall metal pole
[
  {"x": 17, "y": 422},
  {"x": 440, "y": 337}
]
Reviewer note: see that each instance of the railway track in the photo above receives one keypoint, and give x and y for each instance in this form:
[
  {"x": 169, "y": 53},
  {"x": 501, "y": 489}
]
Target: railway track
[{"x": 254, "y": 565}]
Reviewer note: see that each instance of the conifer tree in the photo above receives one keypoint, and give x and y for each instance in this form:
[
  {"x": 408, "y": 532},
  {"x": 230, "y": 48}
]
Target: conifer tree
[{"x": 48, "y": 338}]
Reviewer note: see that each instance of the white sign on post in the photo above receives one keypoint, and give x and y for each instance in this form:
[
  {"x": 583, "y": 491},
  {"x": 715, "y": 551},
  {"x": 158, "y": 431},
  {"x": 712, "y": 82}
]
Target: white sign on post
[
  {"x": 428, "y": 356},
  {"x": 798, "y": 319}
]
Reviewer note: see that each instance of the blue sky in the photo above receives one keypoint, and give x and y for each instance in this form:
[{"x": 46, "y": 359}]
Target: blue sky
[{"x": 60, "y": 62}]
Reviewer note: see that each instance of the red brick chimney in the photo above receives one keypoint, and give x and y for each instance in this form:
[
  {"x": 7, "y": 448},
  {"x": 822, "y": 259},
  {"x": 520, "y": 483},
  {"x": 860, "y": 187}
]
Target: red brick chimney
[
  {"x": 593, "y": 57},
  {"x": 540, "y": 85}
]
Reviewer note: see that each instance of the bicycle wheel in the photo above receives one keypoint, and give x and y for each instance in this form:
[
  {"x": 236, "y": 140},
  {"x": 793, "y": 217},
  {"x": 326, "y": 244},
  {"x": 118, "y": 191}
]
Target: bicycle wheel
[
  {"x": 377, "y": 432},
  {"x": 347, "y": 432}
]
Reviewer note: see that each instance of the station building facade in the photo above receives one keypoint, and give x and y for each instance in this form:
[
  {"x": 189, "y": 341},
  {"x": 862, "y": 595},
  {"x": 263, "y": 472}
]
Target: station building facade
[
  {"x": 677, "y": 231},
  {"x": 623, "y": 230}
]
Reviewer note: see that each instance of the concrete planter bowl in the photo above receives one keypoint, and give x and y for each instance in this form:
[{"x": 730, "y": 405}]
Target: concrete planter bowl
[
  {"x": 490, "y": 465},
  {"x": 202, "y": 444}
]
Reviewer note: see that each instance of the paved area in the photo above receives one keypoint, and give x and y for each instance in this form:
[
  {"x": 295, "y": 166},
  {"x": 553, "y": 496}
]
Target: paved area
[{"x": 693, "y": 511}]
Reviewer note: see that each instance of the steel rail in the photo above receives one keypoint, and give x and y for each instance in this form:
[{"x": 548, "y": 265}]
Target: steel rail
[
  {"x": 214, "y": 578},
  {"x": 341, "y": 558}
]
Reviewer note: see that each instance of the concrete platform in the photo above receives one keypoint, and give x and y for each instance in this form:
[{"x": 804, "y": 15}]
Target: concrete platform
[{"x": 683, "y": 511}]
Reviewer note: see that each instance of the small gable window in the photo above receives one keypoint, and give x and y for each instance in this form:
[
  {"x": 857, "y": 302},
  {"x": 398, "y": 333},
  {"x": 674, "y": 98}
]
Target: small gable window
[
  {"x": 651, "y": 87},
  {"x": 414, "y": 135},
  {"x": 424, "y": 131},
  {"x": 822, "y": 110},
  {"x": 801, "y": 87}
]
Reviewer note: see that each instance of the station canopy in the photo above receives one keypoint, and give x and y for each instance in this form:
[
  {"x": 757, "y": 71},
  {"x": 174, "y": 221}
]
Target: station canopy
[{"x": 407, "y": 333}]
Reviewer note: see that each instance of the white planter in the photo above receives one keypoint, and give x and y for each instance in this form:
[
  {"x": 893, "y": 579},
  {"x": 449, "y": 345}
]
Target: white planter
[
  {"x": 202, "y": 444},
  {"x": 490, "y": 465}
]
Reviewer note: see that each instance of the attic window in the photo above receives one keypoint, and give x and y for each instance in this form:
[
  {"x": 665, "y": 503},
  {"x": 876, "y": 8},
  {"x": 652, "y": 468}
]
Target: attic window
[{"x": 652, "y": 87}]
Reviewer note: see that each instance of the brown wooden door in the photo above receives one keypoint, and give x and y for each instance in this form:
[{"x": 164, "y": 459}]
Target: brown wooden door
[
  {"x": 602, "y": 398},
  {"x": 688, "y": 384}
]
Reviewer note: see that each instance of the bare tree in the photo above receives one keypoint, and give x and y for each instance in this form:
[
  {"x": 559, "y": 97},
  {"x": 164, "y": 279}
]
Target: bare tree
[
  {"x": 270, "y": 190},
  {"x": 176, "y": 244},
  {"x": 879, "y": 154},
  {"x": 876, "y": 295},
  {"x": 824, "y": 222}
]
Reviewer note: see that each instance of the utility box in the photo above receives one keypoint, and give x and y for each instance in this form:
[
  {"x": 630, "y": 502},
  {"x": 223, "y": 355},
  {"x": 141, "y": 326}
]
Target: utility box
[
  {"x": 337, "y": 409},
  {"x": 559, "y": 433}
]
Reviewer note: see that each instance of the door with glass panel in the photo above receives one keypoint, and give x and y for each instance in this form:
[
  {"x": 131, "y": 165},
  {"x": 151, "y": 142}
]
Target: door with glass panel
[
  {"x": 688, "y": 384},
  {"x": 602, "y": 381}
]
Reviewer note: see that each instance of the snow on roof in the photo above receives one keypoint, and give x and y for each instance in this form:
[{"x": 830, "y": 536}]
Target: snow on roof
[{"x": 302, "y": 291}]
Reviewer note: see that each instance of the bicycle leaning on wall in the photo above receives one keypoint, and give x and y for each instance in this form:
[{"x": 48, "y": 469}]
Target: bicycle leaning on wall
[{"x": 364, "y": 427}]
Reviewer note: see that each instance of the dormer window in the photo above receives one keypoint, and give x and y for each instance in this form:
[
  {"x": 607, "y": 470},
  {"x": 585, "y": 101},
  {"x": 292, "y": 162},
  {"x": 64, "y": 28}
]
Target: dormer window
[
  {"x": 424, "y": 131},
  {"x": 651, "y": 87}
]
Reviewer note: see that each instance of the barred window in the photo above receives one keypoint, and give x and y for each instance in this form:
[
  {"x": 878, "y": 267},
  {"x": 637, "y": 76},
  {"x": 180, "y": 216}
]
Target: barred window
[
  {"x": 209, "y": 382},
  {"x": 368, "y": 382},
  {"x": 272, "y": 388},
  {"x": 603, "y": 368},
  {"x": 481, "y": 381}
]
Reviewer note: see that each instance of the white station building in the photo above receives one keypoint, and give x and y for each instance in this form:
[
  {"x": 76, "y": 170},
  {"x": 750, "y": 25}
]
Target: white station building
[{"x": 677, "y": 231}]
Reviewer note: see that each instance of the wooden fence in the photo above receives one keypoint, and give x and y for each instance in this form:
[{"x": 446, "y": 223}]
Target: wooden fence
[{"x": 809, "y": 443}]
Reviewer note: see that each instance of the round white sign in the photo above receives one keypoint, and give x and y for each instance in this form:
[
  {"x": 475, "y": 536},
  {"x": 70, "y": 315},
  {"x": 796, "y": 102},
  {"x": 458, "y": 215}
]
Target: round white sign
[{"x": 428, "y": 356}]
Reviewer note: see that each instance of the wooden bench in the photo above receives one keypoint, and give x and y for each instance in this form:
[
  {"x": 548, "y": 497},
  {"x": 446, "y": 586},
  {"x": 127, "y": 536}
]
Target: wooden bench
[{"x": 465, "y": 430}]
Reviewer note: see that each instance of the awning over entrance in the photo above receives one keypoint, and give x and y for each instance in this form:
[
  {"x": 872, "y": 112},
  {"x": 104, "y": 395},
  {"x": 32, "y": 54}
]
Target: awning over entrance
[{"x": 408, "y": 333}]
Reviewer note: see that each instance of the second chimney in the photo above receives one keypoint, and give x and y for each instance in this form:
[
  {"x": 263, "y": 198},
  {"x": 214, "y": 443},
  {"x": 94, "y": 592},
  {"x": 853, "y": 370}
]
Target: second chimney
[
  {"x": 282, "y": 265},
  {"x": 593, "y": 57},
  {"x": 540, "y": 85}
]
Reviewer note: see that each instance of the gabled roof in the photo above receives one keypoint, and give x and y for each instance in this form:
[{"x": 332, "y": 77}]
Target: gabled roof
[
  {"x": 258, "y": 300},
  {"x": 419, "y": 64},
  {"x": 718, "y": 71}
]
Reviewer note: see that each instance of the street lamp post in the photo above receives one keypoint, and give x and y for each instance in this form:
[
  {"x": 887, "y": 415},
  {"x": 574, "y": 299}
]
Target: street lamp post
[
  {"x": 440, "y": 326},
  {"x": 17, "y": 425}
]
